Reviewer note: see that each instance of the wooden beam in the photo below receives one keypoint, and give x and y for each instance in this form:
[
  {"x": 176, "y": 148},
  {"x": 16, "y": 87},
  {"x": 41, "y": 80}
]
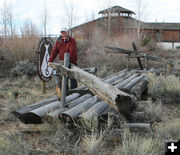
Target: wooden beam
[
  {"x": 64, "y": 80},
  {"x": 138, "y": 58},
  {"x": 109, "y": 49},
  {"x": 106, "y": 92}
]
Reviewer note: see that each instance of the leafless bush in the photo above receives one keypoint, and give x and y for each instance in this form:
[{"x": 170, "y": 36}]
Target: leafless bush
[
  {"x": 168, "y": 130},
  {"x": 166, "y": 88}
]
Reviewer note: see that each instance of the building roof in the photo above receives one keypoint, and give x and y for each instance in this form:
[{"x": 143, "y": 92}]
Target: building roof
[
  {"x": 161, "y": 26},
  {"x": 116, "y": 9}
]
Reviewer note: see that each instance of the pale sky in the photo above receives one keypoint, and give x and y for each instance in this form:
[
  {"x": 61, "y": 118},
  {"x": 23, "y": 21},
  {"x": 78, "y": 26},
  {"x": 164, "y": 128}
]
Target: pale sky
[{"x": 155, "y": 11}]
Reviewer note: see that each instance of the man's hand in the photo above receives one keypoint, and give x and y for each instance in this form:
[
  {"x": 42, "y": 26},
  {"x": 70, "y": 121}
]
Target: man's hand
[{"x": 49, "y": 63}]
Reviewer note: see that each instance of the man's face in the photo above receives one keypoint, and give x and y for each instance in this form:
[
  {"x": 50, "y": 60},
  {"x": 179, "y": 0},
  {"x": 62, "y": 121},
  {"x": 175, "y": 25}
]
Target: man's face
[{"x": 64, "y": 35}]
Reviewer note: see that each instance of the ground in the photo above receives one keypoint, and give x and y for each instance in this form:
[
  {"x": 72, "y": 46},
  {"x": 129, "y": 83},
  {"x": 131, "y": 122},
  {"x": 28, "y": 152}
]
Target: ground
[{"x": 54, "y": 138}]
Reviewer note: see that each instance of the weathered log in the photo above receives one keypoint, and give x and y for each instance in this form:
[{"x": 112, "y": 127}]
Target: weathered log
[
  {"x": 24, "y": 110},
  {"x": 106, "y": 113},
  {"x": 73, "y": 113},
  {"x": 133, "y": 82},
  {"x": 109, "y": 49},
  {"x": 64, "y": 80},
  {"x": 115, "y": 74},
  {"x": 123, "y": 78},
  {"x": 56, "y": 113},
  {"x": 153, "y": 58},
  {"x": 139, "y": 88},
  {"x": 35, "y": 116},
  {"x": 106, "y": 92},
  {"x": 136, "y": 55},
  {"x": 141, "y": 126},
  {"x": 123, "y": 83},
  {"x": 95, "y": 111},
  {"x": 82, "y": 92},
  {"x": 110, "y": 79}
]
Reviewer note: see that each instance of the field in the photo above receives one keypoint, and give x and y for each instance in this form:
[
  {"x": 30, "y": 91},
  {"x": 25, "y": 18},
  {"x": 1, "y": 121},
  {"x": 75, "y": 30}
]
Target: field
[{"x": 162, "y": 111}]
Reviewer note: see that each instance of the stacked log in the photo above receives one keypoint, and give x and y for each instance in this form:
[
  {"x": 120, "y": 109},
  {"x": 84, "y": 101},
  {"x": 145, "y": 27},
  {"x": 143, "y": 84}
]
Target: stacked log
[{"x": 85, "y": 105}]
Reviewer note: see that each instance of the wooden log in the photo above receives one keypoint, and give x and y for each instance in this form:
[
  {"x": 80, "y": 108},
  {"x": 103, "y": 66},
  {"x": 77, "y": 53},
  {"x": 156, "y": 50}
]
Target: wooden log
[
  {"x": 123, "y": 83},
  {"x": 115, "y": 74},
  {"x": 82, "y": 92},
  {"x": 64, "y": 80},
  {"x": 139, "y": 88},
  {"x": 106, "y": 92},
  {"x": 109, "y": 49},
  {"x": 153, "y": 58},
  {"x": 35, "y": 116},
  {"x": 134, "y": 82},
  {"x": 109, "y": 111},
  {"x": 123, "y": 78},
  {"x": 94, "y": 112},
  {"x": 141, "y": 126},
  {"x": 57, "y": 83},
  {"x": 19, "y": 113},
  {"x": 56, "y": 113},
  {"x": 72, "y": 114},
  {"x": 115, "y": 78}
]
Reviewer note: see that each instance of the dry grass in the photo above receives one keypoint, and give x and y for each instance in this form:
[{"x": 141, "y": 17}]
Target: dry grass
[
  {"x": 137, "y": 144},
  {"x": 153, "y": 110},
  {"x": 168, "y": 130},
  {"x": 17, "y": 49},
  {"x": 165, "y": 88}
]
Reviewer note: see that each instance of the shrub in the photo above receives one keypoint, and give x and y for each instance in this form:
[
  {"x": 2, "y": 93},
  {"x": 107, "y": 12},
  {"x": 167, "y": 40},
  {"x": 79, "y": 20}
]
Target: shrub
[
  {"x": 146, "y": 41},
  {"x": 14, "y": 144},
  {"x": 153, "y": 111},
  {"x": 24, "y": 68},
  {"x": 93, "y": 143},
  {"x": 168, "y": 130},
  {"x": 166, "y": 88},
  {"x": 135, "y": 144}
]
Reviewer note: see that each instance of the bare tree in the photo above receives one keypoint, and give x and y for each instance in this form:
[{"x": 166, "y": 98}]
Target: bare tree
[
  {"x": 140, "y": 14},
  {"x": 107, "y": 16},
  {"x": 45, "y": 18},
  {"x": 70, "y": 12},
  {"x": 28, "y": 28},
  {"x": 5, "y": 11},
  {"x": 7, "y": 20}
]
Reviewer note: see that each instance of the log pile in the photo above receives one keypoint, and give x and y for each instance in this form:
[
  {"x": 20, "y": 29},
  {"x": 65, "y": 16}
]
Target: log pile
[{"x": 90, "y": 104}]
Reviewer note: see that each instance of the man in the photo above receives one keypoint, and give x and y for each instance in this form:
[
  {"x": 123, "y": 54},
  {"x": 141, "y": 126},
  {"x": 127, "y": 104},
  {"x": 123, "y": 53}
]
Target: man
[{"x": 65, "y": 44}]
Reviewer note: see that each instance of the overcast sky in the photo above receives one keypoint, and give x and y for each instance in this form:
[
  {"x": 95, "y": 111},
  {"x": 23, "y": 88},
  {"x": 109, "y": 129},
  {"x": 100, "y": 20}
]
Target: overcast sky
[{"x": 155, "y": 11}]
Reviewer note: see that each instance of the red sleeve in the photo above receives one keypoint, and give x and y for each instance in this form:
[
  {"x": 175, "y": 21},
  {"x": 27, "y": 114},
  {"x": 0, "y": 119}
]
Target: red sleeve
[
  {"x": 73, "y": 51},
  {"x": 54, "y": 52}
]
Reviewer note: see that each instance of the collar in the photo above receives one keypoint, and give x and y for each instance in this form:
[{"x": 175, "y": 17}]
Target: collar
[{"x": 62, "y": 40}]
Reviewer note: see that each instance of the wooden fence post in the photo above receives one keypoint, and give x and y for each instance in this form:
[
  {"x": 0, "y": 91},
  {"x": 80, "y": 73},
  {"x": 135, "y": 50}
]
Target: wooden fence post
[
  {"x": 129, "y": 63},
  {"x": 146, "y": 60},
  {"x": 64, "y": 80},
  {"x": 43, "y": 87}
]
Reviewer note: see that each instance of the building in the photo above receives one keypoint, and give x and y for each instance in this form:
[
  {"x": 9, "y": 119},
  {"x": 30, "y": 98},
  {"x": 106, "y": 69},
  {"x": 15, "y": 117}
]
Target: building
[{"x": 116, "y": 21}]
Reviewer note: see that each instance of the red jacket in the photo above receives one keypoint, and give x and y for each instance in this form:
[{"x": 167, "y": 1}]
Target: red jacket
[{"x": 62, "y": 47}]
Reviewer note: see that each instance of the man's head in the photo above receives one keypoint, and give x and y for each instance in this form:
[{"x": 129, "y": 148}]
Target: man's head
[{"x": 64, "y": 33}]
